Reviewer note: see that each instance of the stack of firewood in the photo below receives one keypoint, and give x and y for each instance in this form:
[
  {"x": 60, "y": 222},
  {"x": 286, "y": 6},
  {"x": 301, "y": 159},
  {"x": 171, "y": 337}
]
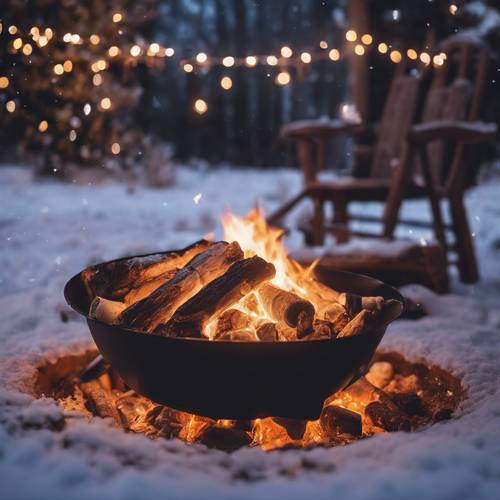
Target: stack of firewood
[{"x": 210, "y": 290}]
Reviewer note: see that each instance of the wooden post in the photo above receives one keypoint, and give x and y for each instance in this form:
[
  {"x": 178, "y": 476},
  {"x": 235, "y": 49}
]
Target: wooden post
[{"x": 358, "y": 66}]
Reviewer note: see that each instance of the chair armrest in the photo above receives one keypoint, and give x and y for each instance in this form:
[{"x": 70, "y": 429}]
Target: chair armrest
[
  {"x": 466, "y": 132},
  {"x": 306, "y": 129}
]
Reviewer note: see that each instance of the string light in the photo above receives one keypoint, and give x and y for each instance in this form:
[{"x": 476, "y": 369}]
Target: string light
[
  {"x": 17, "y": 43},
  {"x": 43, "y": 126},
  {"x": 188, "y": 68},
  {"x": 4, "y": 82},
  {"x": 367, "y": 39},
  {"x": 323, "y": 44},
  {"x": 49, "y": 33},
  {"x": 283, "y": 78},
  {"x": 412, "y": 54},
  {"x": 396, "y": 56},
  {"x": 359, "y": 49},
  {"x": 382, "y": 48},
  {"x": 305, "y": 57},
  {"x": 135, "y": 50},
  {"x": 72, "y": 135},
  {"x": 228, "y": 61},
  {"x": 115, "y": 148},
  {"x": 105, "y": 103},
  {"x": 117, "y": 17},
  {"x": 226, "y": 83},
  {"x": 251, "y": 61},
  {"x": 334, "y": 55},
  {"x": 75, "y": 39},
  {"x": 437, "y": 60},
  {"x": 453, "y": 9},
  {"x": 94, "y": 39},
  {"x": 67, "y": 37},
  {"x": 87, "y": 108},
  {"x": 351, "y": 36},
  {"x": 58, "y": 69},
  {"x": 97, "y": 80},
  {"x": 34, "y": 31},
  {"x": 10, "y": 106},
  {"x": 425, "y": 58},
  {"x": 272, "y": 60},
  {"x": 42, "y": 41},
  {"x": 201, "y": 58},
  {"x": 67, "y": 66},
  {"x": 12, "y": 30},
  {"x": 200, "y": 106},
  {"x": 27, "y": 49},
  {"x": 169, "y": 51},
  {"x": 101, "y": 65},
  {"x": 286, "y": 52},
  {"x": 113, "y": 51},
  {"x": 154, "y": 48}
]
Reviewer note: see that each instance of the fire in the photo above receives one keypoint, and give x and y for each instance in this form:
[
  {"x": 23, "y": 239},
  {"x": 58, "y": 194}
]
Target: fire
[{"x": 256, "y": 237}]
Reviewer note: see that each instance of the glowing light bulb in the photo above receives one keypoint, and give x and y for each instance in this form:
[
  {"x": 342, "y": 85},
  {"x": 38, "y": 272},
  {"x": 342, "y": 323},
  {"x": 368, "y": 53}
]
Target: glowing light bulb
[
  {"x": 359, "y": 49},
  {"x": 200, "y": 106},
  {"x": 453, "y": 9},
  {"x": 72, "y": 135},
  {"x": 67, "y": 37},
  {"x": 135, "y": 50},
  {"x": 101, "y": 65},
  {"x": 437, "y": 60},
  {"x": 382, "y": 48},
  {"x": 117, "y": 17},
  {"x": 113, "y": 51},
  {"x": 188, "y": 68},
  {"x": 17, "y": 43},
  {"x": 425, "y": 58},
  {"x": 42, "y": 41},
  {"x": 228, "y": 61},
  {"x": 226, "y": 83},
  {"x": 283, "y": 78},
  {"x": 75, "y": 38},
  {"x": 286, "y": 52},
  {"x": 154, "y": 48},
  {"x": 10, "y": 106},
  {"x": 4, "y": 82},
  {"x": 201, "y": 58},
  {"x": 94, "y": 39},
  {"x": 67, "y": 66},
  {"x": 105, "y": 103},
  {"x": 169, "y": 51},
  {"x": 34, "y": 31},
  {"x": 251, "y": 61},
  {"x": 43, "y": 126},
  {"x": 367, "y": 39},
  {"x": 87, "y": 109},
  {"x": 272, "y": 60},
  {"x": 12, "y": 30},
  {"x": 27, "y": 49},
  {"x": 351, "y": 36},
  {"x": 115, "y": 148},
  {"x": 49, "y": 33},
  {"x": 396, "y": 56},
  {"x": 58, "y": 69},
  {"x": 334, "y": 55},
  {"x": 97, "y": 80},
  {"x": 412, "y": 54},
  {"x": 323, "y": 44},
  {"x": 305, "y": 57}
]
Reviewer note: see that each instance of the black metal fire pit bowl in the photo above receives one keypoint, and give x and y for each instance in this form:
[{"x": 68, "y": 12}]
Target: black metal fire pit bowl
[{"x": 240, "y": 380}]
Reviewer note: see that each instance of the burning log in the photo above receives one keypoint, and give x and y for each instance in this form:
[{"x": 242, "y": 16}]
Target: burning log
[
  {"x": 267, "y": 332},
  {"x": 387, "y": 417},
  {"x": 294, "y": 428},
  {"x": 106, "y": 310},
  {"x": 337, "y": 420},
  {"x": 139, "y": 292},
  {"x": 285, "y": 306},
  {"x": 158, "y": 307},
  {"x": 224, "y": 438},
  {"x": 100, "y": 401},
  {"x": 285, "y": 332},
  {"x": 230, "y": 320},
  {"x": 361, "y": 322},
  {"x": 324, "y": 329},
  {"x": 242, "y": 335},
  {"x": 116, "y": 279},
  {"x": 239, "y": 280}
]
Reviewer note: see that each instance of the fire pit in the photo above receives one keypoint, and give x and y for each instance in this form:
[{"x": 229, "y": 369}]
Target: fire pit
[{"x": 282, "y": 340}]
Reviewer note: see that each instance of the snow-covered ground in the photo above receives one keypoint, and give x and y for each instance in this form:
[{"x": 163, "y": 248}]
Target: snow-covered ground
[{"x": 49, "y": 231}]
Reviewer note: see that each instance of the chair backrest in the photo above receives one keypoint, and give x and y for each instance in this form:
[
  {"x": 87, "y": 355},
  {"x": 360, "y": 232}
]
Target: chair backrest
[
  {"x": 455, "y": 93},
  {"x": 397, "y": 118}
]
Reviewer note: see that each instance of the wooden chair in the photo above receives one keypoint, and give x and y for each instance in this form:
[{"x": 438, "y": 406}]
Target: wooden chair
[{"x": 416, "y": 166}]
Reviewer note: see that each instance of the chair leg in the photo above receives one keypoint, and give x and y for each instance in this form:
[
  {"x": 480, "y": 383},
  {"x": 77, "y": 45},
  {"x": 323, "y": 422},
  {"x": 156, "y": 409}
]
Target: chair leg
[
  {"x": 467, "y": 263},
  {"x": 318, "y": 222},
  {"x": 340, "y": 219}
]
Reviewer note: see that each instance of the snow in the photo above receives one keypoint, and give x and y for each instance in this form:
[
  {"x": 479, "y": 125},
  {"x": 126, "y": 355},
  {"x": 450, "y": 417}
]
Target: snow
[{"x": 50, "y": 231}]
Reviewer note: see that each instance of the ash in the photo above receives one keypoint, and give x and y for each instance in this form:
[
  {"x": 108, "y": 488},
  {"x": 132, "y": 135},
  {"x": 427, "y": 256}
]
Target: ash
[{"x": 50, "y": 231}]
